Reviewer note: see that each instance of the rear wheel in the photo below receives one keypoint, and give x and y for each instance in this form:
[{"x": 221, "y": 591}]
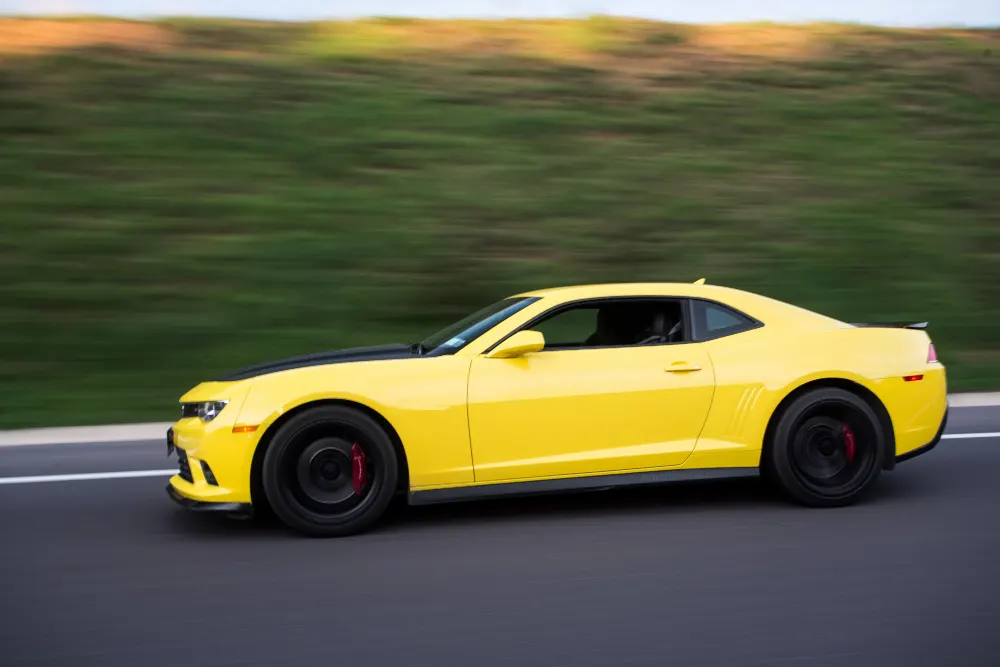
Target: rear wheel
[
  {"x": 826, "y": 450},
  {"x": 330, "y": 471}
]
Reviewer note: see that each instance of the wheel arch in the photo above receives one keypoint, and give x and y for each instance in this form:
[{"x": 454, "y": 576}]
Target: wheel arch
[
  {"x": 258, "y": 497},
  {"x": 863, "y": 392}
]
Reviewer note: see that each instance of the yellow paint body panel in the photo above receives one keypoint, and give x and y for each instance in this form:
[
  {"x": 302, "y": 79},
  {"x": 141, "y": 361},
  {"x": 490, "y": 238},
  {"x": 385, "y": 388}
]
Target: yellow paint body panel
[
  {"x": 467, "y": 420},
  {"x": 423, "y": 399},
  {"x": 571, "y": 412}
]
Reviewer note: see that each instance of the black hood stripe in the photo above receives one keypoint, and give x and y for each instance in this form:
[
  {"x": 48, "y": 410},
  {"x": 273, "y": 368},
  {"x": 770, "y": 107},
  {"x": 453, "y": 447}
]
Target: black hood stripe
[{"x": 322, "y": 359}]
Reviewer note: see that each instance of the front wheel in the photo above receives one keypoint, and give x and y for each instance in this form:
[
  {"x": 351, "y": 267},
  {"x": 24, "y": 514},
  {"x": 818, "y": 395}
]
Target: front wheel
[
  {"x": 330, "y": 471},
  {"x": 826, "y": 450}
]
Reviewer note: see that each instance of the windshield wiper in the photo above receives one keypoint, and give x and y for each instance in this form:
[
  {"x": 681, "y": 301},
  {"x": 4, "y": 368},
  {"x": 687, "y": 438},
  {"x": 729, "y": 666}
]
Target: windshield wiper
[{"x": 418, "y": 349}]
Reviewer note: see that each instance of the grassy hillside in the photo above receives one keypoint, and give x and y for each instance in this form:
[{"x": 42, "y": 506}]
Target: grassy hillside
[{"x": 182, "y": 197}]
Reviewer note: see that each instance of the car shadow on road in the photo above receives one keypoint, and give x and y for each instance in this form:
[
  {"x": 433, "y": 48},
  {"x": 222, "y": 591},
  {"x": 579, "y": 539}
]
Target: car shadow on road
[
  {"x": 705, "y": 496},
  {"x": 688, "y": 496},
  {"x": 746, "y": 494}
]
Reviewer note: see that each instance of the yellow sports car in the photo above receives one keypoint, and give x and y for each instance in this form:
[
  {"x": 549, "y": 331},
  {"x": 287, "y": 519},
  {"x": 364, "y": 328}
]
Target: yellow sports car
[{"x": 564, "y": 389}]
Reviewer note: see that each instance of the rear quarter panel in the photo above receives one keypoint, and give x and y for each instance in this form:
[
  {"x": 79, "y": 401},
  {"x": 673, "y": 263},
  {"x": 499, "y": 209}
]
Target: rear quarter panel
[{"x": 757, "y": 369}]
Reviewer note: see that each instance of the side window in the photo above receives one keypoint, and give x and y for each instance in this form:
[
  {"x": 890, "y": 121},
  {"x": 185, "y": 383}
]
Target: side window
[
  {"x": 569, "y": 328},
  {"x": 614, "y": 324},
  {"x": 713, "y": 320}
]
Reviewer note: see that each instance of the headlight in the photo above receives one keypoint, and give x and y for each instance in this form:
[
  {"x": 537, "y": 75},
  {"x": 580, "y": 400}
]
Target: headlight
[{"x": 206, "y": 411}]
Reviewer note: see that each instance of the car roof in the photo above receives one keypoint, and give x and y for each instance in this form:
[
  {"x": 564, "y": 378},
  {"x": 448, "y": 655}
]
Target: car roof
[
  {"x": 763, "y": 308},
  {"x": 619, "y": 289}
]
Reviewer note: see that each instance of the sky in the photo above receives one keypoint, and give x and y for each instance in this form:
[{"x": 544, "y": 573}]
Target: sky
[{"x": 877, "y": 12}]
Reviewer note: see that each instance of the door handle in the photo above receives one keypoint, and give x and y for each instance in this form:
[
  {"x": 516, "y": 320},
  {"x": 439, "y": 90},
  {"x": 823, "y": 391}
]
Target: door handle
[{"x": 682, "y": 367}]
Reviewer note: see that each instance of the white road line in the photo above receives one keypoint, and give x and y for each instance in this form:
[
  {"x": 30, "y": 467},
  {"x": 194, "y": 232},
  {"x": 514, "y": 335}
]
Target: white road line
[{"x": 35, "y": 479}]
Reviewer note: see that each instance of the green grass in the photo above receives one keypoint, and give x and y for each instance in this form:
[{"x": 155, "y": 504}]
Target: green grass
[{"x": 245, "y": 191}]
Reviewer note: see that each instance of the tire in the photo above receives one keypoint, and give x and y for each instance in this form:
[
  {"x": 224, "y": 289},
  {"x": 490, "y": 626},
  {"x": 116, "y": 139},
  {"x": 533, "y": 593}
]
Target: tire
[
  {"x": 827, "y": 448},
  {"x": 330, "y": 471}
]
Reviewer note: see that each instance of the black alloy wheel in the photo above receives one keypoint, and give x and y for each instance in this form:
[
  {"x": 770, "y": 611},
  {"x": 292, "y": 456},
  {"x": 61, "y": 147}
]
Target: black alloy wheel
[
  {"x": 827, "y": 448},
  {"x": 330, "y": 471}
]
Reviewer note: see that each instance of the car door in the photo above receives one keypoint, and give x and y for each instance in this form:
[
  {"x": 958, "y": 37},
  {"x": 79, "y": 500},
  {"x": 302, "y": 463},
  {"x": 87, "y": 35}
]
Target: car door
[{"x": 586, "y": 406}]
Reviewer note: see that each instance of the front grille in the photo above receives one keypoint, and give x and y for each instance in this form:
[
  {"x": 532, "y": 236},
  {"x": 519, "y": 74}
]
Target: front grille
[{"x": 185, "y": 469}]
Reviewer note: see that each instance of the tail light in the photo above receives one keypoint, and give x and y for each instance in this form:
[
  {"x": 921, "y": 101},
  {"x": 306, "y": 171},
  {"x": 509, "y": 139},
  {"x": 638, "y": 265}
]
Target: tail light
[{"x": 932, "y": 355}]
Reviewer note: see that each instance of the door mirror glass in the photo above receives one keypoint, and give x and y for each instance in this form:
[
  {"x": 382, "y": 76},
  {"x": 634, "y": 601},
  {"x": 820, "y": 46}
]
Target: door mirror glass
[{"x": 519, "y": 344}]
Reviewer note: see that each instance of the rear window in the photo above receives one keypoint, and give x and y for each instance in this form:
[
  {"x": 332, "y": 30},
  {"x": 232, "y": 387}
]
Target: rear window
[{"x": 713, "y": 320}]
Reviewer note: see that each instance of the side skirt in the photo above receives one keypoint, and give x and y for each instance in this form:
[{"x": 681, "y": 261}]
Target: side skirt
[{"x": 567, "y": 484}]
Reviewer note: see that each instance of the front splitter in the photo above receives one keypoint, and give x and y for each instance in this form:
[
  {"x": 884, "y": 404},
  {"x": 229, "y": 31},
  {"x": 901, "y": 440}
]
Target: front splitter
[{"x": 242, "y": 510}]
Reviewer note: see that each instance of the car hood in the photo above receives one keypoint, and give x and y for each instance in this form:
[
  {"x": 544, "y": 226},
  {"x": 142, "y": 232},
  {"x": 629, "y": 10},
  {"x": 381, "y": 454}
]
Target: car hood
[{"x": 377, "y": 353}]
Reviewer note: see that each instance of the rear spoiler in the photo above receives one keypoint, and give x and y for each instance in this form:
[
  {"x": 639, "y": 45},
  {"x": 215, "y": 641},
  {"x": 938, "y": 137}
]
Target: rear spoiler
[{"x": 891, "y": 325}]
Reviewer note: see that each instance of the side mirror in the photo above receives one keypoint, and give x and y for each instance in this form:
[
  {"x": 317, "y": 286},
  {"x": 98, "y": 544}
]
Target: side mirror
[{"x": 519, "y": 344}]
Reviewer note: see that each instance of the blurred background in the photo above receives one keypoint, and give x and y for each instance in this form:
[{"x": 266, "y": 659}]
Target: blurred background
[{"x": 179, "y": 197}]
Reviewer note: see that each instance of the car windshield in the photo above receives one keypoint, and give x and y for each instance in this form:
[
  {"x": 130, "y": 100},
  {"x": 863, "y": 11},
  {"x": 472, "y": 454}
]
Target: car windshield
[{"x": 453, "y": 338}]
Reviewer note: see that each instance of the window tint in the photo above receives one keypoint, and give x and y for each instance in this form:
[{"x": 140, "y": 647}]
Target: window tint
[
  {"x": 613, "y": 324},
  {"x": 569, "y": 328},
  {"x": 713, "y": 320}
]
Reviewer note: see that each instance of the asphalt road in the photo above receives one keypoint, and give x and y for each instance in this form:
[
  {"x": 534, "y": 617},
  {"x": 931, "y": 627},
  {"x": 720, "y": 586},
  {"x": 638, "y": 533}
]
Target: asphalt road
[{"x": 110, "y": 572}]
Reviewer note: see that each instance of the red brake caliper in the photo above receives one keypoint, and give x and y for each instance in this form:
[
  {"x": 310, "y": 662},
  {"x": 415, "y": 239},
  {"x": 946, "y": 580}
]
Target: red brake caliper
[
  {"x": 849, "y": 443},
  {"x": 357, "y": 468}
]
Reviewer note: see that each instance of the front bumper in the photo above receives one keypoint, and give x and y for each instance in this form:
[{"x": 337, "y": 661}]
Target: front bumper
[
  {"x": 929, "y": 446},
  {"x": 213, "y": 465}
]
